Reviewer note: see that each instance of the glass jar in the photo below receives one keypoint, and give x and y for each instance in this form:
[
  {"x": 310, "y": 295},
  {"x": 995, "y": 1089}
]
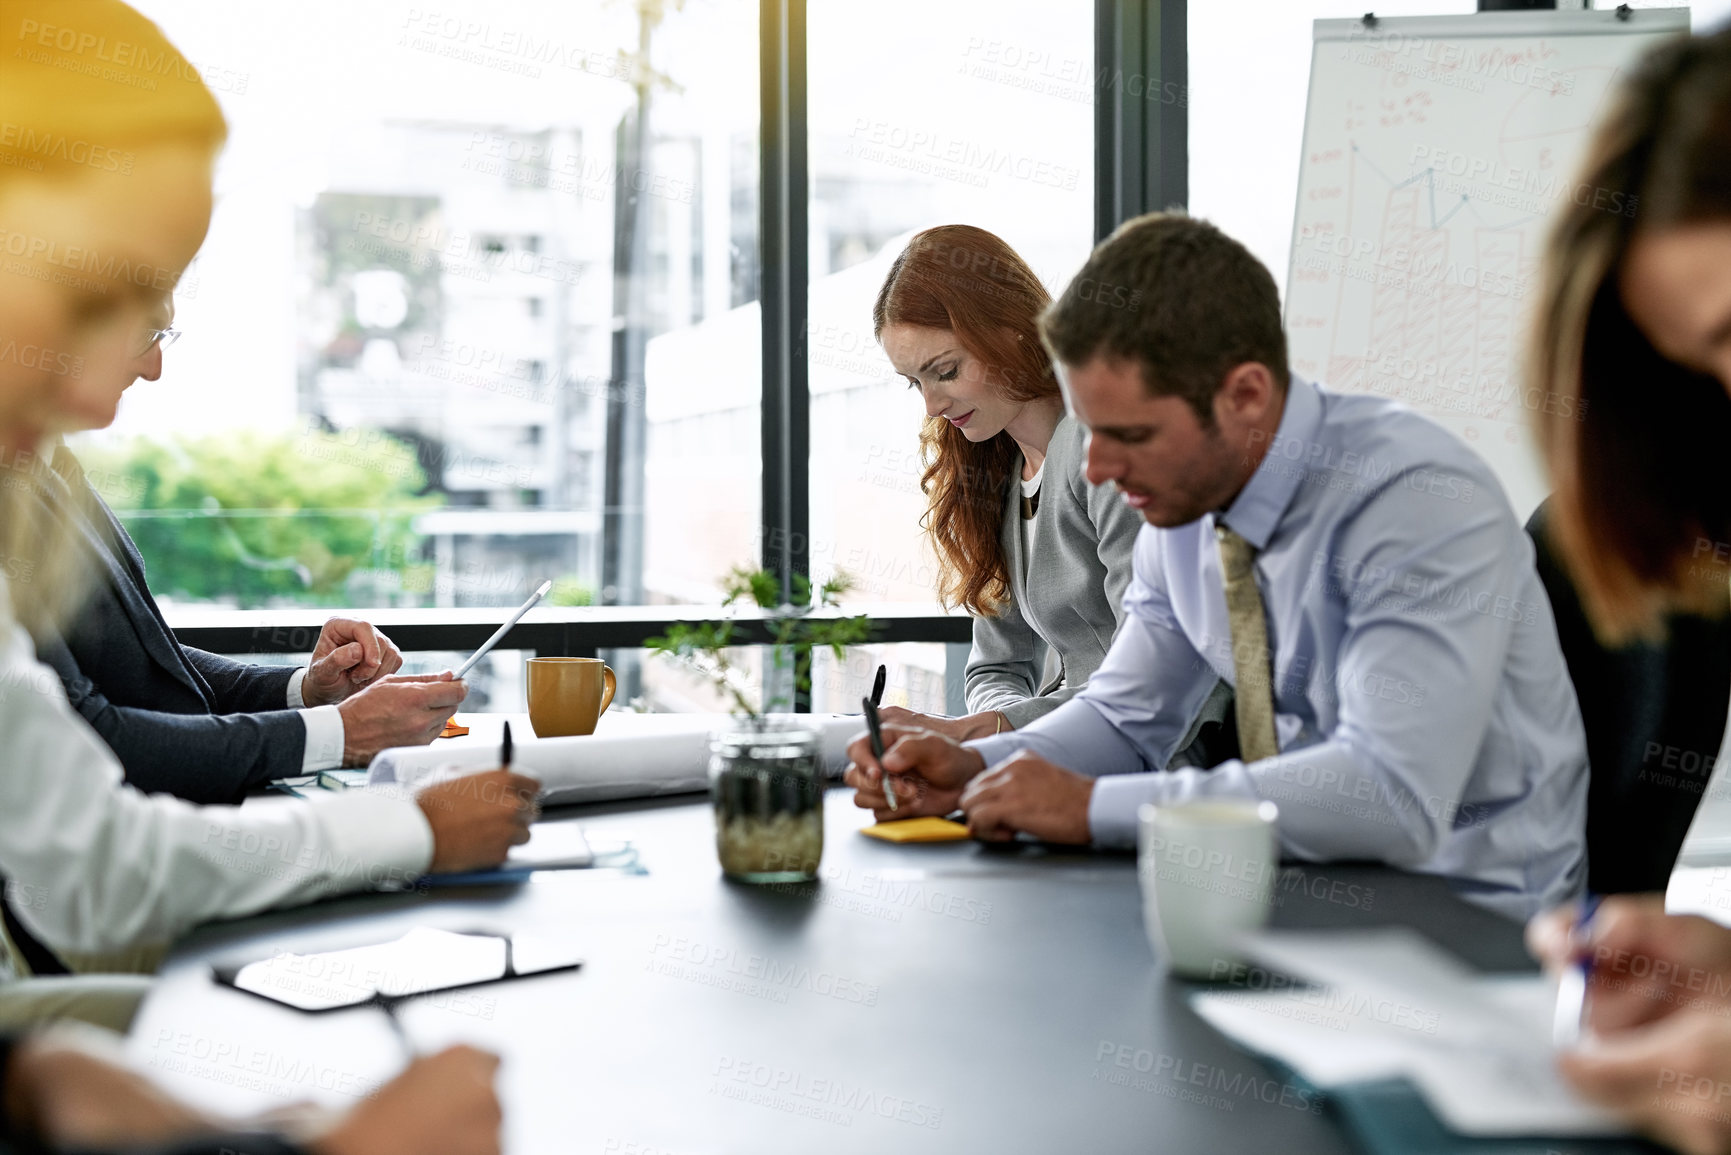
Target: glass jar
[{"x": 766, "y": 779}]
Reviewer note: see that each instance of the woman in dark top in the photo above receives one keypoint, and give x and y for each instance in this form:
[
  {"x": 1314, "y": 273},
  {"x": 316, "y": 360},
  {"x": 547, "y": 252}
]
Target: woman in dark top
[{"x": 1631, "y": 356}]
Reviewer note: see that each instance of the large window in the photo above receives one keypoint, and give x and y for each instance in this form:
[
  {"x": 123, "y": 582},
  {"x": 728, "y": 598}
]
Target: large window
[
  {"x": 469, "y": 315},
  {"x": 432, "y": 342}
]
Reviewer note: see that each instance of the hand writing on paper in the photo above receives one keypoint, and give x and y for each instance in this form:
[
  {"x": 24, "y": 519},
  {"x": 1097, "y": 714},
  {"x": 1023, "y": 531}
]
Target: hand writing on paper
[
  {"x": 1666, "y": 1077},
  {"x": 1646, "y": 964},
  {"x": 478, "y": 818},
  {"x": 927, "y": 772},
  {"x": 1027, "y": 794},
  {"x": 444, "y": 1104}
]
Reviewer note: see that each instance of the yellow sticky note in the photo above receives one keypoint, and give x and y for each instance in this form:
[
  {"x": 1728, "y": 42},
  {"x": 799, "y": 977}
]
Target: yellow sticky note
[{"x": 918, "y": 830}]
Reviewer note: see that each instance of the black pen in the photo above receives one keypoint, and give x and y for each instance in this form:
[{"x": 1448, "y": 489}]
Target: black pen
[
  {"x": 505, "y": 748},
  {"x": 877, "y": 733},
  {"x": 878, "y": 684}
]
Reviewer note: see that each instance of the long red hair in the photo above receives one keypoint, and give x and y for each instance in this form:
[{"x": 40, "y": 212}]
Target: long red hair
[{"x": 968, "y": 281}]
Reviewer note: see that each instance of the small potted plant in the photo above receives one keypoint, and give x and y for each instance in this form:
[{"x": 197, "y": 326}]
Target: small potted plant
[{"x": 766, "y": 770}]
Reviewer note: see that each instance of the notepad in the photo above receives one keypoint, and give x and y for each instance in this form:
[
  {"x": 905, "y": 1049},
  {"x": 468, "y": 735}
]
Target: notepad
[
  {"x": 1387, "y": 1004},
  {"x": 918, "y": 830},
  {"x": 422, "y": 961}
]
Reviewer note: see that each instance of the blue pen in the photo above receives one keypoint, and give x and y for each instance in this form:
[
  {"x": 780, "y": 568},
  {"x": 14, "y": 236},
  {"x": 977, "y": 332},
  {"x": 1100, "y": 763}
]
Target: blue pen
[{"x": 1571, "y": 1018}]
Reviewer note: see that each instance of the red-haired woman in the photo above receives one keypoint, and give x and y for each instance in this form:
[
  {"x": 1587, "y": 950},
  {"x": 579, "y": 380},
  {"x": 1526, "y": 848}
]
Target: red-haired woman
[{"x": 1039, "y": 557}]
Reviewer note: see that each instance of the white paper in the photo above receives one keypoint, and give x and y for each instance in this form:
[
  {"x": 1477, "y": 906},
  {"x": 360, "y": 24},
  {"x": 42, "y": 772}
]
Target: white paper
[
  {"x": 551, "y": 846},
  {"x": 1388, "y": 1004},
  {"x": 628, "y": 756},
  {"x": 1396, "y": 973}
]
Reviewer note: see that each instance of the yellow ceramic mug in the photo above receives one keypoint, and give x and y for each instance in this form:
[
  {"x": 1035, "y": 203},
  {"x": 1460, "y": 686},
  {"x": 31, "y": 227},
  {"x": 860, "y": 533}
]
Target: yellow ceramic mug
[{"x": 568, "y": 695}]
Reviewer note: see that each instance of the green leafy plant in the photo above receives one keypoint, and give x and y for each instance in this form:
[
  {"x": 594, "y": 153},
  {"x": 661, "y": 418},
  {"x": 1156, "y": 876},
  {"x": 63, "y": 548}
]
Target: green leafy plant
[{"x": 702, "y": 646}]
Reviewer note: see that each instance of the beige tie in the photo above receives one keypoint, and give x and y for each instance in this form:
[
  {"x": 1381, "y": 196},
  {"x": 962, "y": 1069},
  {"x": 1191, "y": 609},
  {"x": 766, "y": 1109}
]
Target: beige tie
[{"x": 1253, "y": 696}]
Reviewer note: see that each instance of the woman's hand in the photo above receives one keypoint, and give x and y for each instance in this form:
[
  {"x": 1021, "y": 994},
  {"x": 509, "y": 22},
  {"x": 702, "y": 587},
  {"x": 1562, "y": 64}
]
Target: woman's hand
[
  {"x": 1670, "y": 1078},
  {"x": 443, "y": 1104},
  {"x": 1645, "y": 964},
  {"x": 963, "y": 729}
]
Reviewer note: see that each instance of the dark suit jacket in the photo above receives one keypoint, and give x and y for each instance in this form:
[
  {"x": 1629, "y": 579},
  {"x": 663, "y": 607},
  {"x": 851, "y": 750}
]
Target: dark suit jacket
[{"x": 182, "y": 721}]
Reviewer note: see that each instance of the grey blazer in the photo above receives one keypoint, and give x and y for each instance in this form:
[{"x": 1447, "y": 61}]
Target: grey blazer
[{"x": 1068, "y": 602}]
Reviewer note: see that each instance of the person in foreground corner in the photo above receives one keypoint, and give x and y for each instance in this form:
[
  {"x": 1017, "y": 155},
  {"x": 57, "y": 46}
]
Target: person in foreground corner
[
  {"x": 92, "y": 866},
  {"x": 1352, "y": 569},
  {"x": 1040, "y": 558},
  {"x": 1634, "y": 327},
  {"x": 71, "y": 1088},
  {"x": 185, "y": 722}
]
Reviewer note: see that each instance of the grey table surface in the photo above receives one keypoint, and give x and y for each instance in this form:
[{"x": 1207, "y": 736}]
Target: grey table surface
[{"x": 943, "y": 997}]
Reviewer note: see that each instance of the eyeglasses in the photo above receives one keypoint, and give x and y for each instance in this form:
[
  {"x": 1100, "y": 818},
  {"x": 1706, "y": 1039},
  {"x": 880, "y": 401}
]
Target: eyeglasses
[{"x": 155, "y": 337}]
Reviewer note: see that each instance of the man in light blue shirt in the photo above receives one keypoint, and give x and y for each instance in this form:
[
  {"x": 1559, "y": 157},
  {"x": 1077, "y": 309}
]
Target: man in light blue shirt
[{"x": 1415, "y": 706}]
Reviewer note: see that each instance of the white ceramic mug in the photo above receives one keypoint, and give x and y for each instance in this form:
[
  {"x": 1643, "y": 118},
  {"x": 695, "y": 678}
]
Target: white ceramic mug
[{"x": 1207, "y": 869}]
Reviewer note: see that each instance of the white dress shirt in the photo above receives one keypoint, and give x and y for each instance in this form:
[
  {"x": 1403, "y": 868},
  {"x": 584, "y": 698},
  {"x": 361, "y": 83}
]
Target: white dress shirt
[
  {"x": 108, "y": 868},
  {"x": 324, "y": 749},
  {"x": 1423, "y": 708}
]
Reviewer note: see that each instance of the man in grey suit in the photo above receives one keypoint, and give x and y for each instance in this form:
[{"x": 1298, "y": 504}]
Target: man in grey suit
[{"x": 194, "y": 724}]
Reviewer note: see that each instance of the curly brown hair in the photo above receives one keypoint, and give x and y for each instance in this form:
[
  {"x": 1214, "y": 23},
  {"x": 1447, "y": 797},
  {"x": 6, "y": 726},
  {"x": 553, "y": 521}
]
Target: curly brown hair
[{"x": 968, "y": 281}]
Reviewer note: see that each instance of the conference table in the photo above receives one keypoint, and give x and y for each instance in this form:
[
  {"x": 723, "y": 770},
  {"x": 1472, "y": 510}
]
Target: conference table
[{"x": 918, "y": 997}]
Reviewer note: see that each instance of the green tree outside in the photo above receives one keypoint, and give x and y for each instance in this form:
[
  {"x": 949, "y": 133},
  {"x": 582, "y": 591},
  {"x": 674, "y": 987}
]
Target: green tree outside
[{"x": 257, "y": 519}]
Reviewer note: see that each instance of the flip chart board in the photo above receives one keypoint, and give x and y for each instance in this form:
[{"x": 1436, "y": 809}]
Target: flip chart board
[{"x": 1435, "y": 151}]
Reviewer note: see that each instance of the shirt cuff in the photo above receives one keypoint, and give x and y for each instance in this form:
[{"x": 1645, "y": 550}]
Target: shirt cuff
[
  {"x": 384, "y": 829},
  {"x": 1112, "y": 817},
  {"x": 295, "y": 701},
  {"x": 995, "y": 747},
  {"x": 324, "y": 749}
]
